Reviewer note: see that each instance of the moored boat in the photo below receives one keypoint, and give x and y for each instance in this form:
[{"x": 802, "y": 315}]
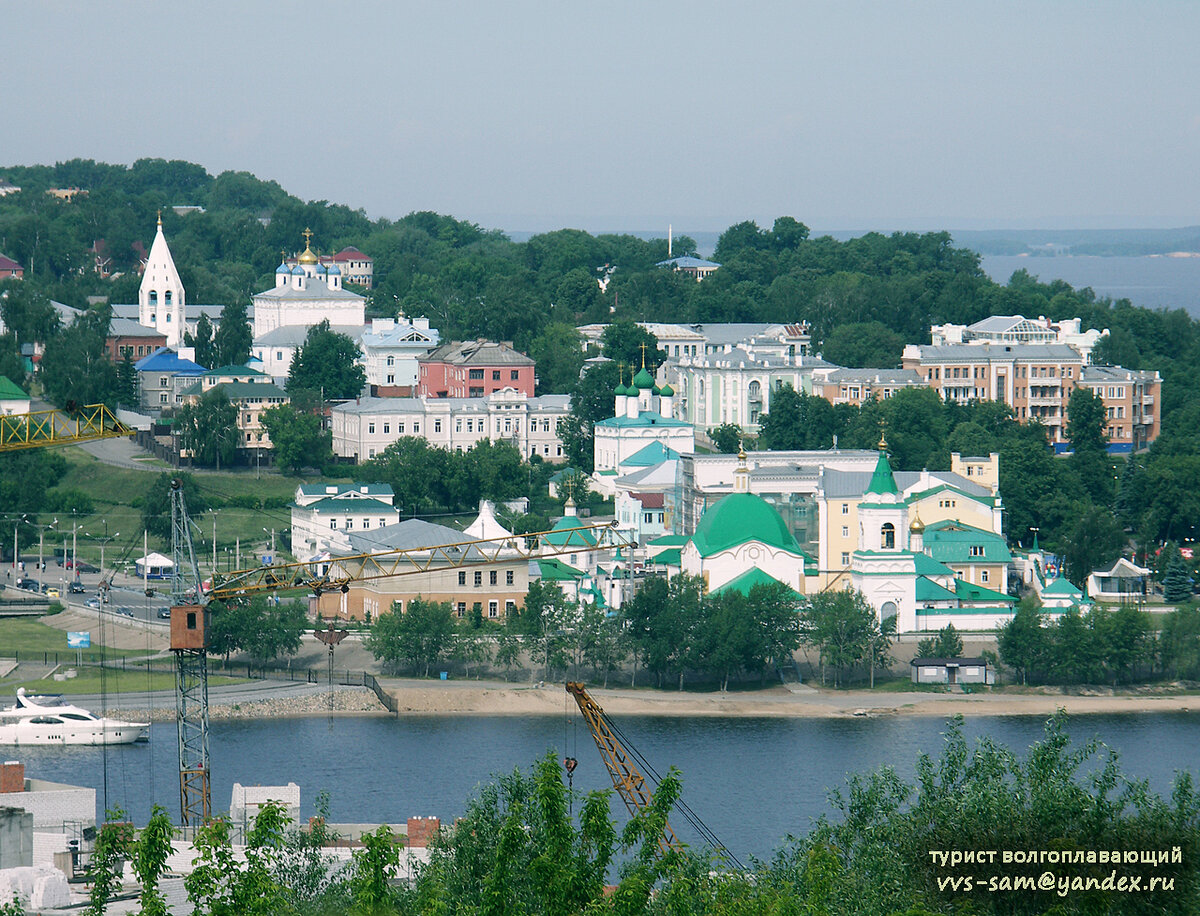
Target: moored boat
[{"x": 50, "y": 721}]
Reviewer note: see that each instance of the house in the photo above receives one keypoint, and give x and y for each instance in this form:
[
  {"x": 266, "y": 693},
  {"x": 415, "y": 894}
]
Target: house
[
  {"x": 365, "y": 427},
  {"x": 164, "y": 375},
  {"x": 353, "y": 265},
  {"x": 952, "y": 671},
  {"x": 495, "y": 589},
  {"x": 474, "y": 369},
  {"x": 250, "y": 392},
  {"x": 306, "y": 292},
  {"x": 1123, "y": 581},
  {"x": 854, "y": 386},
  {"x": 1132, "y": 402},
  {"x": 390, "y": 350},
  {"x": 697, "y": 268},
  {"x": 10, "y": 269},
  {"x": 324, "y": 516},
  {"x": 643, "y": 418},
  {"x": 12, "y": 399},
  {"x": 127, "y": 337}
]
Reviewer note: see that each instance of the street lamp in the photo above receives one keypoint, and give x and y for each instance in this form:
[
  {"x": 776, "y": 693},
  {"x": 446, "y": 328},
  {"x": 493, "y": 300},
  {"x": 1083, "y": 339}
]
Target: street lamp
[{"x": 271, "y": 531}]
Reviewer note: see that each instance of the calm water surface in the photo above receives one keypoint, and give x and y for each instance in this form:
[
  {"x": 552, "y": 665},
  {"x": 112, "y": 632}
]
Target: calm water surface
[{"x": 754, "y": 781}]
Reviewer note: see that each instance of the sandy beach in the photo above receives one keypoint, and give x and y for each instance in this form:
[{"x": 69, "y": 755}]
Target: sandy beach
[{"x": 498, "y": 699}]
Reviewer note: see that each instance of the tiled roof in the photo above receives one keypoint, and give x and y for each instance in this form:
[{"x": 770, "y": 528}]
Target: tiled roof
[{"x": 477, "y": 353}]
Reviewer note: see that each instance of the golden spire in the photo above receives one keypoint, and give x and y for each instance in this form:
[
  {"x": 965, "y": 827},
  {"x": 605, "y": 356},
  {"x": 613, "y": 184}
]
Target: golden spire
[
  {"x": 160, "y": 218},
  {"x": 643, "y": 356}
]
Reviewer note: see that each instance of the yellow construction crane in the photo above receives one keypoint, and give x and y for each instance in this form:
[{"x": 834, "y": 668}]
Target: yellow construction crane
[
  {"x": 621, "y": 760},
  {"x": 51, "y": 427},
  {"x": 189, "y": 622}
]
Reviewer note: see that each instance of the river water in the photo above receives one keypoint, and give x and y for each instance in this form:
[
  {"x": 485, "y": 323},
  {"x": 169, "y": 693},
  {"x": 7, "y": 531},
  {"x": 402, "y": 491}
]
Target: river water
[{"x": 753, "y": 781}]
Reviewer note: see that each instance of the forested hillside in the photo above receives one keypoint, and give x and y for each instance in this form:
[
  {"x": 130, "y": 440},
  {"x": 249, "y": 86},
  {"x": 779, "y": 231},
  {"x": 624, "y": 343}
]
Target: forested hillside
[{"x": 865, "y": 298}]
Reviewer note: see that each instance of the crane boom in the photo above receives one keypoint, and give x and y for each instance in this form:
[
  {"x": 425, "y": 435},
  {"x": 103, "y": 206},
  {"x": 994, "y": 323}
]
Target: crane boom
[
  {"x": 406, "y": 561},
  {"x": 51, "y": 427},
  {"x": 627, "y": 779}
]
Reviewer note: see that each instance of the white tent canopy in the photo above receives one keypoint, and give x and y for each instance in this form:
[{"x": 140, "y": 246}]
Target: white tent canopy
[{"x": 154, "y": 566}]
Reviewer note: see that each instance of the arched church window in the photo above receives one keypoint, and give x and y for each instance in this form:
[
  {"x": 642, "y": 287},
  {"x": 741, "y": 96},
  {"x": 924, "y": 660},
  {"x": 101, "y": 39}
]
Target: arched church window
[
  {"x": 755, "y": 390},
  {"x": 391, "y": 360},
  {"x": 167, "y": 297},
  {"x": 887, "y": 609},
  {"x": 887, "y": 536},
  {"x": 153, "y": 297}
]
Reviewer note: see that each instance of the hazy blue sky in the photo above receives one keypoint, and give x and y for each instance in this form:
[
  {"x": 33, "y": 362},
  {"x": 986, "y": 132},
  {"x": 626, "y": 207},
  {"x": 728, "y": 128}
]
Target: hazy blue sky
[{"x": 602, "y": 115}]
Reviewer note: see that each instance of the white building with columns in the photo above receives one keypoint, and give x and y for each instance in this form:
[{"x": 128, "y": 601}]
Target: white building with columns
[
  {"x": 643, "y": 415},
  {"x": 307, "y": 294}
]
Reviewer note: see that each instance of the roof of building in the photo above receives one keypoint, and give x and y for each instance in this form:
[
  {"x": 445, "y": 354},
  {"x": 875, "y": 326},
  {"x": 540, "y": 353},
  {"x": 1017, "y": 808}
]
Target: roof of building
[
  {"x": 684, "y": 262},
  {"x": 237, "y": 391},
  {"x": 748, "y": 580},
  {"x": 669, "y": 540},
  {"x": 561, "y": 534},
  {"x": 650, "y": 455},
  {"x": 412, "y": 534},
  {"x": 337, "y": 489},
  {"x": 942, "y": 662},
  {"x": 165, "y": 359},
  {"x": 7, "y": 263},
  {"x": 643, "y": 380},
  {"x": 882, "y": 481},
  {"x": 400, "y": 334},
  {"x": 975, "y": 353},
  {"x": 1061, "y": 585},
  {"x": 343, "y": 504},
  {"x": 969, "y": 591},
  {"x": 130, "y": 327},
  {"x": 649, "y": 500},
  {"x": 234, "y": 372},
  {"x": 190, "y": 312},
  {"x": 1095, "y": 375},
  {"x": 672, "y": 556},
  {"x": 10, "y": 390},
  {"x": 477, "y": 353},
  {"x": 647, "y": 418},
  {"x": 421, "y": 406},
  {"x": 952, "y": 542},
  {"x": 350, "y": 253},
  {"x": 553, "y": 569},
  {"x": 928, "y": 590},
  {"x": 876, "y": 376},
  {"x": 739, "y": 518},
  {"x": 314, "y": 289},
  {"x": 294, "y": 335},
  {"x": 927, "y": 566}
]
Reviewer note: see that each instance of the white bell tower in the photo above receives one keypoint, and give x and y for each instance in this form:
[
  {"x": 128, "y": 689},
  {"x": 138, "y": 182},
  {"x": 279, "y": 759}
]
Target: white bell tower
[{"x": 161, "y": 298}]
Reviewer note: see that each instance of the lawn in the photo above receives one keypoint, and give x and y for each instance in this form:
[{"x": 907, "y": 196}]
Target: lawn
[
  {"x": 22, "y": 637},
  {"x": 117, "y": 682},
  {"x": 116, "y": 493}
]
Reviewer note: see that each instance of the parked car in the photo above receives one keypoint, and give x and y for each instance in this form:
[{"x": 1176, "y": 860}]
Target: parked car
[{"x": 76, "y": 588}]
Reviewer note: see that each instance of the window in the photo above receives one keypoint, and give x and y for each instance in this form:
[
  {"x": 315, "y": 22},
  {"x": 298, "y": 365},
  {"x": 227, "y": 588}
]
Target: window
[
  {"x": 495, "y": 375},
  {"x": 387, "y": 428},
  {"x": 391, "y": 360},
  {"x": 333, "y": 524},
  {"x": 475, "y": 373},
  {"x": 366, "y": 523},
  {"x": 349, "y": 524},
  {"x": 508, "y": 577},
  {"x": 493, "y": 577},
  {"x": 845, "y": 508},
  {"x": 510, "y": 608},
  {"x": 983, "y": 575},
  {"x": 416, "y": 427},
  {"x": 399, "y": 428},
  {"x": 371, "y": 428},
  {"x": 976, "y": 550},
  {"x": 515, "y": 375},
  {"x": 462, "y": 578},
  {"x": 478, "y": 579},
  {"x": 462, "y": 608},
  {"x": 887, "y": 536},
  {"x": 162, "y": 398},
  {"x": 391, "y": 379},
  {"x": 493, "y": 608},
  {"x": 649, "y": 517},
  {"x": 845, "y": 531},
  {"x": 845, "y": 559},
  {"x": 476, "y": 393}
]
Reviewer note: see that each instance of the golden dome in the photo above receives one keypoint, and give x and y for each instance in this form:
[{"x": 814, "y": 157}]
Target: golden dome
[
  {"x": 307, "y": 257},
  {"x": 917, "y": 526}
]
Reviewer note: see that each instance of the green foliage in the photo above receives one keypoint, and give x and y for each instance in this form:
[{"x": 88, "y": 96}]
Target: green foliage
[
  {"x": 202, "y": 341},
  {"x": 796, "y": 421},
  {"x": 222, "y": 884},
  {"x": 208, "y": 429},
  {"x": 1179, "y": 642},
  {"x": 231, "y": 343},
  {"x": 328, "y": 362},
  {"x": 1177, "y": 584},
  {"x": 865, "y": 344},
  {"x": 417, "y": 636},
  {"x": 150, "y": 853},
  {"x": 543, "y": 621},
  {"x": 1023, "y": 641},
  {"x": 25, "y": 478},
  {"x": 127, "y": 382},
  {"x": 75, "y": 368},
  {"x": 842, "y": 626},
  {"x": 262, "y": 628},
  {"x": 156, "y": 505},
  {"x": 298, "y": 439},
  {"x": 558, "y": 352},
  {"x": 114, "y": 842},
  {"x": 632, "y": 346},
  {"x": 727, "y": 437},
  {"x": 374, "y": 866}
]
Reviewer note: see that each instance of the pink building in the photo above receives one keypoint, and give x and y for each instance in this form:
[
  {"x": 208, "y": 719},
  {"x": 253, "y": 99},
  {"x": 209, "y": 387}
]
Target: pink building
[{"x": 474, "y": 369}]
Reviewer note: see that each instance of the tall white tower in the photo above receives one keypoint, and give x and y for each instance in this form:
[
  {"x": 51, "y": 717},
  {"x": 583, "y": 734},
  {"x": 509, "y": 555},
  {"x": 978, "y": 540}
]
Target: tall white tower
[{"x": 161, "y": 295}]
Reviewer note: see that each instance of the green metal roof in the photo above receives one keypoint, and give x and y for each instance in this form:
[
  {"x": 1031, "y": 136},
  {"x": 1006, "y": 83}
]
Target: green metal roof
[
  {"x": 669, "y": 540},
  {"x": 643, "y": 379},
  {"x": 882, "y": 480},
  {"x": 928, "y": 566},
  {"x": 967, "y": 591},
  {"x": 671, "y": 557},
  {"x": 560, "y": 536},
  {"x": 1062, "y": 586},
  {"x": 554, "y": 570},
  {"x": 928, "y": 590},
  {"x": 950, "y": 542},
  {"x": 739, "y": 518},
  {"x": 748, "y": 580},
  {"x": 650, "y": 455},
  {"x": 9, "y": 390},
  {"x": 642, "y": 419},
  {"x": 342, "y": 504}
]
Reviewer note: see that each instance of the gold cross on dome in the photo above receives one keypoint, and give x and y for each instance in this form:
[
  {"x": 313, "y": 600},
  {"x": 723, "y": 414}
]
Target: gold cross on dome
[
  {"x": 643, "y": 356},
  {"x": 307, "y": 233}
]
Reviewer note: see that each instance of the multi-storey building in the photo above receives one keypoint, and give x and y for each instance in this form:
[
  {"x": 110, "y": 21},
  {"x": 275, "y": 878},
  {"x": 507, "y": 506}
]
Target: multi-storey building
[
  {"x": 854, "y": 386},
  {"x": 1017, "y": 329},
  {"x": 474, "y": 369},
  {"x": 251, "y": 392},
  {"x": 325, "y": 516},
  {"x": 680, "y": 340},
  {"x": 363, "y": 429},
  {"x": 390, "y": 351},
  {"x": 164, "y": 375},
  {"x": 1131, "y": 405},
  {"x": 1035, "y": 380}
]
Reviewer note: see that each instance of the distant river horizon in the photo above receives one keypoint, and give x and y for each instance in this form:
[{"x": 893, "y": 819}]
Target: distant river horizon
[
  {"x": 754, "y": 781},
  {"x": 1151, "y": 282}
]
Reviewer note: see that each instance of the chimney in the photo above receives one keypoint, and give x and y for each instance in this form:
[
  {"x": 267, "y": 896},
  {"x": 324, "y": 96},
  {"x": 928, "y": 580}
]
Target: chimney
[
  {"x": 12, "y": 777},
  {"x": 421, "y": 830}
]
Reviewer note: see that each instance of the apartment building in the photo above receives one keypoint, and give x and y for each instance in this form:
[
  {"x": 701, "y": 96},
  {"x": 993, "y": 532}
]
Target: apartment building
[
  {"x": 1131, "y": 405},
  {"x": 474, "y": 369}
]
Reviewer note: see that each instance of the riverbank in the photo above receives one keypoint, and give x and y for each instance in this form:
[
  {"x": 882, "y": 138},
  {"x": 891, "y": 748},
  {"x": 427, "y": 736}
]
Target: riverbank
[
  {"x": 499, "y": 699},
  {"x": 342, "y": 702}
]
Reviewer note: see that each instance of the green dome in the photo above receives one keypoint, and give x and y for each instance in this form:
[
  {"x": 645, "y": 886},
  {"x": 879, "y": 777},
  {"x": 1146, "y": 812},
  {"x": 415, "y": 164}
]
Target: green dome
[
  {"x": 620, "y": 391},
  {"x": 738, "y": 518},
  {"x": 667, "y": 391},
  {"x": 643, "y": 379},
  {"x": 657, "y": 391}
]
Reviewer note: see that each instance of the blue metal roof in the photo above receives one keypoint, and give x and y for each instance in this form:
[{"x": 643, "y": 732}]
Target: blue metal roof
[{"x": 167, "y": 360}]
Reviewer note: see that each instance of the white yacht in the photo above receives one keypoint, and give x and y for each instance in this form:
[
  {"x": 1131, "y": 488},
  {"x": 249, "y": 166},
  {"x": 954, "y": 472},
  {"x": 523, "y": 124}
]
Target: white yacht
[{"x": 50, "y": 721}]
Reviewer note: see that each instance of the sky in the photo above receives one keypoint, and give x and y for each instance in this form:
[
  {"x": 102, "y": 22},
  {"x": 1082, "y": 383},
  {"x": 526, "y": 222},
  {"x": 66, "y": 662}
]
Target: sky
[{"x": 605, "y": 115}]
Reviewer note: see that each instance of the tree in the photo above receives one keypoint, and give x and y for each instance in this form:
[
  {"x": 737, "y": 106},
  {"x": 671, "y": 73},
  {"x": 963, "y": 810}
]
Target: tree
[
  {"x": 327, "y": 362},
  {"x": 156, "y": 502},
  {"x": 868, "y": 344},
  {"x": 1177, "y": 584},
  {"x": 208, "y": 429},
  {"x": 12, "y": 366},
  {"x": 203, "y": 343},
  {"x": 261, "y": 628},
  {"x": 1085, "y": 429},
  {"x": 222, "y": 884},
  {"x": 796, "y": 421},
  {"x": 662, "y": 619},
  {"x": 840, "y": 625},
  {"x": 558, "y": 353},
  {"x": 298, "y": 439},
  {"x": 232, "y": 341},
  {"x": 127, "y": 382},
  {"x": 592, "y": 400},
  {"x": 150, "y": 853},
  {"x": 75, "y": 368},
  {"x": 544, "y": 621},
  {"x": 727, "y": 438},
  {"x": 632, "y": 346},
  {"x": 418, "y": 636},
  {"x": 1180, "y": 642},
  {"x": 114, "y": 842},
  {"x": 1023, "y": 640},
  {"x": 879, "y": 645}
]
